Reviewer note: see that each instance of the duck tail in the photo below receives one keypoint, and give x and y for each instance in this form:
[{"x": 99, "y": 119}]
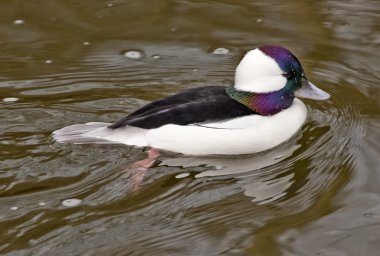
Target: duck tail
[
  {"x": 87, "y": 133},
  {"x": 100, "y": 133}
]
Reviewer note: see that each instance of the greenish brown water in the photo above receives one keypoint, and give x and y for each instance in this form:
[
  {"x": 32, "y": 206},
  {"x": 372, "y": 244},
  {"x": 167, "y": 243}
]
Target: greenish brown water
[{"x": 317, "y": 194}]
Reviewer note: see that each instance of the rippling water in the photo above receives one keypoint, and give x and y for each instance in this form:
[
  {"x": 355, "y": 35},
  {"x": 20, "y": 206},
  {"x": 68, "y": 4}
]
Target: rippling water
[{"x": 67, "y": 62}]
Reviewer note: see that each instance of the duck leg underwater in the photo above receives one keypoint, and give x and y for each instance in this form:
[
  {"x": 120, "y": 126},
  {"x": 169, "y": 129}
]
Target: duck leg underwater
[{"x": 138, "y": 169}]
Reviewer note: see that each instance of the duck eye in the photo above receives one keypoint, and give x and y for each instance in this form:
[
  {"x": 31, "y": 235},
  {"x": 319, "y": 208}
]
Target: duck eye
[{"x": 289, "y": 75}]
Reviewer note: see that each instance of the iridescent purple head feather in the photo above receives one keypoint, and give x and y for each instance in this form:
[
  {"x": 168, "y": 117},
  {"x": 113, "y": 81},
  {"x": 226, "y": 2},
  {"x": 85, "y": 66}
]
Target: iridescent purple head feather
[
  {"x": 268, "y": 78},
  {"x": 284, "y": 58}
]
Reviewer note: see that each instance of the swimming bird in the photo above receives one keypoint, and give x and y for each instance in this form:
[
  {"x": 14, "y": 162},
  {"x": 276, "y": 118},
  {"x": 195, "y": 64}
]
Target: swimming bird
[{"x": 258, "y": 112}]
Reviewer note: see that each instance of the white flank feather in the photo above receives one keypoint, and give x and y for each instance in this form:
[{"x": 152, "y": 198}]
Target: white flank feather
[{"x": 243, "y": 135}]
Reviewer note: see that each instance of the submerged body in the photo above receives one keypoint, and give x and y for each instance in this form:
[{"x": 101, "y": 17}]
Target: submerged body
[
  {"x": 258, "y": 113},
  {"x": 246, "y": 132}
]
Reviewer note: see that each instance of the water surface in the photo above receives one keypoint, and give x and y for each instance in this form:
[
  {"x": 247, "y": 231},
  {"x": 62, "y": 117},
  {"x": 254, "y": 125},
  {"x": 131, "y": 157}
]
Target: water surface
[{"x": 65, "y": 62}]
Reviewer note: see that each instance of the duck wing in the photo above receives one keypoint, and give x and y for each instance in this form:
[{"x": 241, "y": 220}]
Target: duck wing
[
  {"x": 197, "y": 105},
  {"x": 189, "y": 95}
]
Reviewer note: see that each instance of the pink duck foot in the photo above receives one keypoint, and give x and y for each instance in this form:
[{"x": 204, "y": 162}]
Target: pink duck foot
[{"x": 138, "y": 169}]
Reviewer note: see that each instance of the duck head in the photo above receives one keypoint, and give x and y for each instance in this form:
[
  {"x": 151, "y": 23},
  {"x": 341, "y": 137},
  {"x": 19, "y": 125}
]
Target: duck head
[{"x": 268, "y": 78}]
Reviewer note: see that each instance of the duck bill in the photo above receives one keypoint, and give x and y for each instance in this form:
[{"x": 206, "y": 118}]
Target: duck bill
[{"x": 310, "y": 91}]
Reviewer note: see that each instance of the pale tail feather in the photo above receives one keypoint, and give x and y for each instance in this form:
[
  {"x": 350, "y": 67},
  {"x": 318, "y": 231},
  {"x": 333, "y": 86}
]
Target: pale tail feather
[{"x": 98, "y": 133}]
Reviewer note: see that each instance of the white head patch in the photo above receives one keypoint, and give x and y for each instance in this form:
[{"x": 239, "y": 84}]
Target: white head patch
[{"x": 258, "y": 72}]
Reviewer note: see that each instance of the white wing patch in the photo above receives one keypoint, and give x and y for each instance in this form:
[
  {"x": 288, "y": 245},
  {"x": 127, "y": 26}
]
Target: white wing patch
[{"x": 258, "y": 72}]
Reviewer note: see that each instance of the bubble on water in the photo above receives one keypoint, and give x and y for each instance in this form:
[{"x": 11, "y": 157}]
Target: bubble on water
[
  {"x": 71, "y": 202},
  {"x": 156, "y": 56},
  {"x": 41, "y": 203},
  {"x": 173, "y": 29},
  {"x": 14, "y": 208},
  {"x": 259, "y": 20},
  {"x": 48, "y": 61},
  {"x": 221, "y": 51},
  {"x": 86, "y": 43},
  {"x": 110, "y": 5},
  {"x": 18, "y": 22},
  {"x": 195, "y": 70},
  {"x": 10, "y": 99},
  {"x": 133, "y": 54},
  {"x": 182, "y": 175}
]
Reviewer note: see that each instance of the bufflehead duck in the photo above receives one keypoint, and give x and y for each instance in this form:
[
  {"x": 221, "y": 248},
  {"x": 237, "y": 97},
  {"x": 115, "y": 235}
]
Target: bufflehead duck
[{"x": 257, "y": 113}]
